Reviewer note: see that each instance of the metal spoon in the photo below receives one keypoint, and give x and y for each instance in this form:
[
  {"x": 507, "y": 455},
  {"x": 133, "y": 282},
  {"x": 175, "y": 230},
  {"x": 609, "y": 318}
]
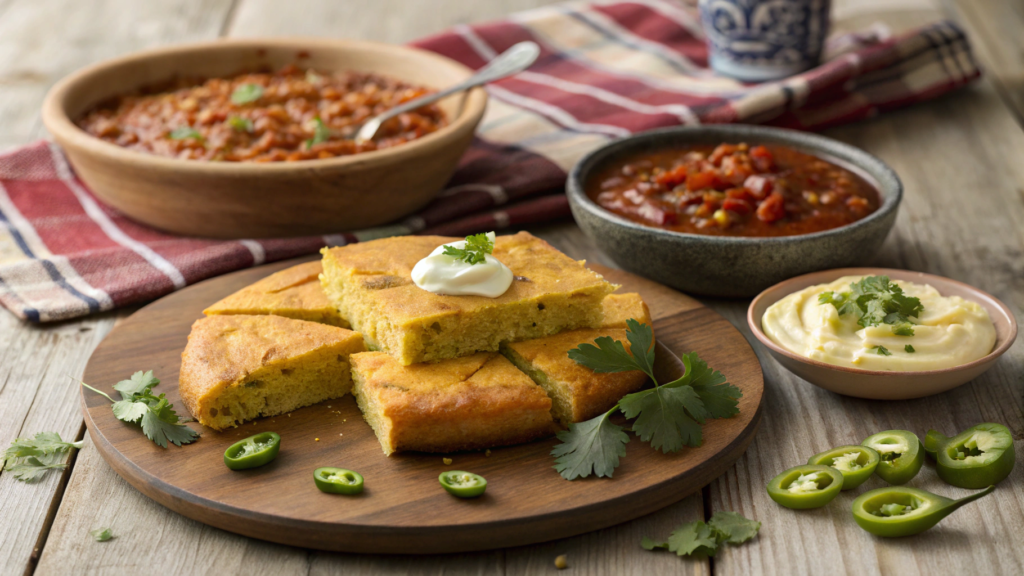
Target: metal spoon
[{"x": 515, "y": 59}]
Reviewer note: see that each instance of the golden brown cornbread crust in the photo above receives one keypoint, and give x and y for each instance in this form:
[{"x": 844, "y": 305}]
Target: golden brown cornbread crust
[
  {"x": 293, "y": 293},
  {"x": 262, "y": 365},
  {"x": 372, "y": 287},
  {"x": 578, "y": 392},
  {"x": 467, "y": 403}
]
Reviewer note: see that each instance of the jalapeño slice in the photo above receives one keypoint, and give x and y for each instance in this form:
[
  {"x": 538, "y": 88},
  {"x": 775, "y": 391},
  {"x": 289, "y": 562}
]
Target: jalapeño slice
[
  {"x": 903, "y": 511},
  {"x": 901, "y": 455},
  {"x": 463, "y": 484},
  {"x": 934, "y": 440},
  {"x": 807, "y": 486},
  {"x": 338, "y": 481},
  {"x": 253, "y": 451},
  {"x": 977, "y": 457},
  {"x": 856, "y": 463}
]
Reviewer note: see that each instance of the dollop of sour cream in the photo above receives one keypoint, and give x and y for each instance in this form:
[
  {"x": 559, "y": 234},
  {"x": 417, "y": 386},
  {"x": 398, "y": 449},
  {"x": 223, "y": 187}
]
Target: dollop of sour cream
[{"x": 450, "y": 276}]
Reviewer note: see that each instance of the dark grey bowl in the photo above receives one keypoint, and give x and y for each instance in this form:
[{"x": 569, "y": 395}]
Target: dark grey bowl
[{"x": 732, "y": 266}]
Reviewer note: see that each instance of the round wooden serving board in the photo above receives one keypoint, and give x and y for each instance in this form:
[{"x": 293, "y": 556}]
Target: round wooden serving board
[{"x": 403, "y": 509}]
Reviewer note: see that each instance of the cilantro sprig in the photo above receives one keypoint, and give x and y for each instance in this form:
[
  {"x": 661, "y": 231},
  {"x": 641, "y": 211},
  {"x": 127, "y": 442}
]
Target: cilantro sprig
[
  {"x": 668, "y": 416},
  {"x": 29, "y": 459},
  {"x": 704, "y": 539},
  {"x": 477, "y": 247},
  {"x": 875, "y": 300},
  {"x": 321, "y": 133},
  {"x": 160, "y": 423},
  {"x": 246, "y": 94},
  {"x": 185, "y": 133}
]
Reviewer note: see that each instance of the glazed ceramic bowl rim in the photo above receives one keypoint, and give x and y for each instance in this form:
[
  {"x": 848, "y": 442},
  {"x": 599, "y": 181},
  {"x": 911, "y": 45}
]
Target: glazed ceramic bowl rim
[
  {"x": 765, "y": 295},
  {"x": 817, "y": 145},
  {"x": 60, "y": 124}
]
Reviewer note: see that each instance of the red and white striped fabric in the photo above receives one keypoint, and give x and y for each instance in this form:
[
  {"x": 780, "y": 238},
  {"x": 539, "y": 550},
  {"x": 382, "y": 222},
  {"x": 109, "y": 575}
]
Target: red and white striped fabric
[{"x": 607, "y": 69}]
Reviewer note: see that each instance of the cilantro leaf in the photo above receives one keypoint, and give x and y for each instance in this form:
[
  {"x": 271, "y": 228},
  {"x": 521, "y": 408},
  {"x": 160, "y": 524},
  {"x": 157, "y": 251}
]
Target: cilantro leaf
[
  {"x": 593, "y": 446},
  {"x": 648, "y": 544},
  {"x": 321, "y": 133},
  {"x": 246, "y": 93},
  {"x": 101, "y": 534},
  {"x": 733, "y": 528},
  {"x": 475, "y": 250},
  {"x": 693, "y": 538},
  {"x": 641, "y": 345},
  {"x": 240, "y": 124},
  {"x": 184, "y": 133},
  {"x": 720, "y": 398},
  {"x": 875, "y": 300},
  {"x": 909, "y": 349},
  {"x": 607, "y": 356},
  {"x": 29, "y": 459},
  {"x": 140, "y": 383},
  {"x": 666, "y": 417},
  {"x": 881, "y": 351},
  {"x": 160, "y": 423}
]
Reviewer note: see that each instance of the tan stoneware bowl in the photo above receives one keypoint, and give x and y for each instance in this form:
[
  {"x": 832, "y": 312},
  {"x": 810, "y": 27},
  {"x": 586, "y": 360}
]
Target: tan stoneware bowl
[
  {"x": 249, "y": 200},
  {"x": 884, "y": 385}
]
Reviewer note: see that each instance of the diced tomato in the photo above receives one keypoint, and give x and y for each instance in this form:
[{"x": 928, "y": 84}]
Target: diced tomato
[
  {"x": 762, "y": 158},
  {"x": 720, "y": 152},
  {"x": 656, "y": 214},
  {"x": 772, "y": 208},
  {"x": 740, "y": 193},
  {"x": 759, "y": 186},
  {"x": 702, "y": 180},
  {"x": 736, "y": 205},
  {"x": 736, "y": 169},
  {"x": 673, "y": 177}
]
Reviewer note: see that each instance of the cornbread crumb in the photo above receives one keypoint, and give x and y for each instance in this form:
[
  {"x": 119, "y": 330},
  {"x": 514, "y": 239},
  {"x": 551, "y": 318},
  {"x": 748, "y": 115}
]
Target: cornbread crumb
[
  {"x": 236, "y": 368},
  {"x": 561, "y": 563},
  {"x": 316, "y": 439},
  {"x": 293, "y": 293},
  {"x": 447, "y": 461},
  {"x": 487, "y": 452},
  {"x": 371, "y": 284}
]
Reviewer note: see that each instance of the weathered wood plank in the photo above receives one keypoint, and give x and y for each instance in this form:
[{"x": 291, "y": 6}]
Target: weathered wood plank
[
  {"x": 994, "y": 27},
  {"x": 39, "y": 43},
  {"x": 959, "y": 160}
]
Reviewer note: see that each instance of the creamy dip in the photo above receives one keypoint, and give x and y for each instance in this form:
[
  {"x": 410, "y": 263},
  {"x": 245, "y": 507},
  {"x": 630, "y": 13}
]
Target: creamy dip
[
  {"x": 949, "y": 332},
  {"x": 442, "y": 274}
]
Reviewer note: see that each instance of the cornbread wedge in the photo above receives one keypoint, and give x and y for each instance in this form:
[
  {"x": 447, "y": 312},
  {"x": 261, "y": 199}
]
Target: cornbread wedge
[
  {"x": 372, "y": 287},
  {"x": 293, "y": 293},
  {"x": 578, "y": 393},
  {"x": 466, "y": 403},
  {"x": 239, "y": 367}
]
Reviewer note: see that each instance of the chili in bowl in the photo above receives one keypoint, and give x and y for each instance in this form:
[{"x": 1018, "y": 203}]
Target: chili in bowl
[
  {"x": 728, "y": 210},
  {"x": 250, "y": 138}
]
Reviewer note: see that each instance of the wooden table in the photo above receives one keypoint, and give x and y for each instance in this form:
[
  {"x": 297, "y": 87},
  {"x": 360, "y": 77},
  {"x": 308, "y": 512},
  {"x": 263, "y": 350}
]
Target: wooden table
[{"x": 961, "y": 158}]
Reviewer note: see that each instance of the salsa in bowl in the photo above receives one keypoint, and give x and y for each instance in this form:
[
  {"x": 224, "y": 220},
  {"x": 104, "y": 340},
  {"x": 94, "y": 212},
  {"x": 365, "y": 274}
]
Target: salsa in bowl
[{"x": 728, "y": 210}]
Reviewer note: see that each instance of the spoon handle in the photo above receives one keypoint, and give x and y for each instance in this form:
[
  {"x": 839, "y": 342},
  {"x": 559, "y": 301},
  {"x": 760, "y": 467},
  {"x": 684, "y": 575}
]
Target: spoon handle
[{"x": 515, "y": 59}]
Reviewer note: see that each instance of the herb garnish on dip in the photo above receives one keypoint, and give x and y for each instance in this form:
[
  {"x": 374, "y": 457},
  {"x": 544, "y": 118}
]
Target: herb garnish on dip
[
  {"x": 873, "y": 323},
  {"x": 464, "y": 268}
]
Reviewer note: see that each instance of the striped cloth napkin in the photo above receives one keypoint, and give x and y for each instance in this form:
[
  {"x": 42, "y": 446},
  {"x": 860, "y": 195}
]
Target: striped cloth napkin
[{"x": 607, "y": 69}]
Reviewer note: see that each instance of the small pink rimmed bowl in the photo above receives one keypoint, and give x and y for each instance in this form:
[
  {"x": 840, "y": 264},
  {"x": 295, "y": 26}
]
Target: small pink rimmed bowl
[{"x": 884, "y": 385}]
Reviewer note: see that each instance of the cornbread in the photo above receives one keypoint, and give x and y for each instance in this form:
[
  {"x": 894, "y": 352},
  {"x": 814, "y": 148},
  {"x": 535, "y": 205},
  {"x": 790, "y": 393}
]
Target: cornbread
[
  {"x": 577, "y": 392},
  {"x": 473, "y": 402},
  {"x": 239, "y": 367},
  {"x": 293, "y": 293},
  {"x": 371, "y": 285}
]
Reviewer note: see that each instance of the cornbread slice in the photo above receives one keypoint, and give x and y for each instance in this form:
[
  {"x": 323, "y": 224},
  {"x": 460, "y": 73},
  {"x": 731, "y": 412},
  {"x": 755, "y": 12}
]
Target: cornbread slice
[
  {"x": 466, "y": 403},
  {"x": 577, "y": 392},
  {"x": 293, "y": 293},
  {"x": 372, "y": 287},
  {"x": 239, "y": 367}
]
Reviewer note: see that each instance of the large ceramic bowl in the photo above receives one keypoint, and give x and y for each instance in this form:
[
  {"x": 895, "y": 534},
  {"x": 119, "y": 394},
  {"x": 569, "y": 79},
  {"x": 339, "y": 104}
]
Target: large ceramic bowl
[
  {"x": 250, "y": 200},
  {"x": 875, "y": 384},
  {"x": 723, "y": 265}
]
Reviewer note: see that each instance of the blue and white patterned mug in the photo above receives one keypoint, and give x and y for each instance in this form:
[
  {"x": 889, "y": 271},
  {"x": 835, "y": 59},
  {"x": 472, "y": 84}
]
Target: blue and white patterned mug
[{"x": 759, "y": 40}]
